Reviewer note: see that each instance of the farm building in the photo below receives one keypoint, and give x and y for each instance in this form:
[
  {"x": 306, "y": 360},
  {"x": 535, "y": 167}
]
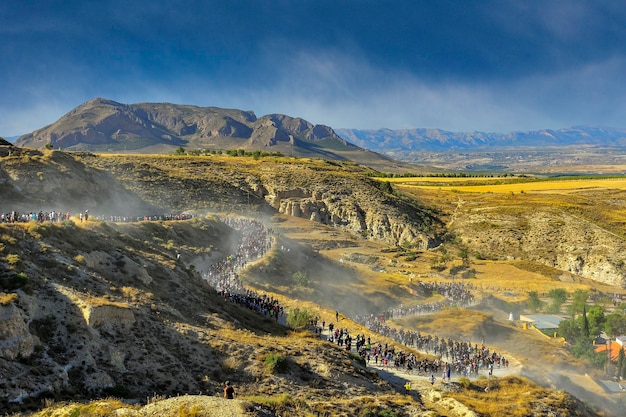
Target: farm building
[
  {"x": 542, "y": 322},
  {"x": 613, "y": 347}
]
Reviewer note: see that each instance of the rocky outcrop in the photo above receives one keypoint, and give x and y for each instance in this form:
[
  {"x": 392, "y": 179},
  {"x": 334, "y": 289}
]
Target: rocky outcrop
[
  {"x": 550, "y": 237},
  {"x": 104, "y": 263},
  {"x": 110, "y": 315},
  {"x": 365, "y": 211},
  {"x": 15, "y": 337}
]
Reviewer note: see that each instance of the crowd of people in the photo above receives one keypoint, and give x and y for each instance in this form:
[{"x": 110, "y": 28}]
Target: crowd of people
[
  {"x": 461, "y": 358},
  {"x": 255, "y": 240},
  {"x": 33, "y": 216},
  {"x": 152, "y": 217},
  {"x": 54, "y": 216},
  {"x": 451, "y": 356},
  {"x": 457, "y": 294}
]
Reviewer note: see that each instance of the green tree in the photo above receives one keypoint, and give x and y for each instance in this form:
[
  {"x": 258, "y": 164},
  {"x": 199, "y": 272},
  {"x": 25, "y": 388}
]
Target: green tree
[
  {"x": 615, "y": 324},
  {"x": 534, "y": 303},
  {"x": 464, "y": 255},
  {"x": 585, "y": 330},
  {"x": 570, "y": 330},
  {"x": 596, "y": 319},
  {"x": 579, "y": 299},
  {"x": 583, "y": 348},
  {"x": 558, "y": 296},
  {"x": 179, "y": 151},
  {"x": 299, "y": 318}
]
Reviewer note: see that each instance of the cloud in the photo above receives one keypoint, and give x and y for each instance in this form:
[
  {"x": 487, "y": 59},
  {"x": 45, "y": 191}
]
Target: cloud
[
  {"x": 490, "y": 65},
  {"x": 327, "y": 87}
]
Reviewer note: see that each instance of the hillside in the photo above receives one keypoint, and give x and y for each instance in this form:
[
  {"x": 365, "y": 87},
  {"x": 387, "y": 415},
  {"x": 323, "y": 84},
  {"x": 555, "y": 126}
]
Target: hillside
[
  {"x": 98, "y": 307},
  {"x": 108, "y": 309},
  {"x": 102, "y": 125}
]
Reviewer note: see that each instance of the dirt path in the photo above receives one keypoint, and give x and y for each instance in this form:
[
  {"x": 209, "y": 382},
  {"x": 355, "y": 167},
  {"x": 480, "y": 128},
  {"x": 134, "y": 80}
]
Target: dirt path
[{"x": 433, "y": 394}]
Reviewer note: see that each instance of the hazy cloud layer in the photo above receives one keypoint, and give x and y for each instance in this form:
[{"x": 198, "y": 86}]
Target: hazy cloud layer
[{"x": 473, "y": 65}]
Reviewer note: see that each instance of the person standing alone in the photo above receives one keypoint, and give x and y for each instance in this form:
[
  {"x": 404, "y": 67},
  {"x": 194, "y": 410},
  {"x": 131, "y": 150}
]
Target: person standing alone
[{"x": 229, "y": 391}]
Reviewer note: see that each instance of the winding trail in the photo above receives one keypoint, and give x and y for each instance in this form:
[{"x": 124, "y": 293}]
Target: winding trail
[{"x": 432, "y": 394}]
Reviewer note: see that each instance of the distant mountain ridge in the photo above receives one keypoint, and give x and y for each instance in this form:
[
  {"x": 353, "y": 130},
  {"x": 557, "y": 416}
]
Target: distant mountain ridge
[
  {"x": 105, "y": 126},
  {"x": 437, "y": 140},
  {"x": 102, "y": 125}
]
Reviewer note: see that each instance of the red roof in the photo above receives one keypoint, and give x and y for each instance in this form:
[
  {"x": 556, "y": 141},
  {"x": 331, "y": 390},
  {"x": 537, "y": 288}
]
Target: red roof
[{"x": 615, "y": 347}]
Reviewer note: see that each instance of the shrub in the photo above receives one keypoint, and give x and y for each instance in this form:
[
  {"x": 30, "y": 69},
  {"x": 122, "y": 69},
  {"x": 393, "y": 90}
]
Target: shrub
[
  {"x": 13, "y": 259},
  {"x": 465, "y": 382},
  {"x": 301, "y": 279},
  {"x": 119, "y": 391},
  {"x": 277, "y": 403},
  {"x": 6, "y": 299},
  {"x": 359, "y": 359},
  {"x": 79, "y": 259},
  {"x": 230, "y": 365},
  {"x": 275, "y": 363},
  {"x": 534, "y": 303},
  {"x": 18, "y": 281},
  {"x": 299, "y": 319}
]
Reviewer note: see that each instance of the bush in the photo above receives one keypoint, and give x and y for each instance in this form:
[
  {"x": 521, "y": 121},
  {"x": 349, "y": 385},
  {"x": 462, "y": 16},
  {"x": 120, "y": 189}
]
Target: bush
[
  {"x": 465, "y": 382},
  {"x": 301, "y": 279},
  {"x": 534, "y": 303},
  {"x": 299, "y": 319},
  {"x": 275, "y": 363},
  {"x": 17, "y": 281},
  {"x": 10, "y": 298},
  {"x": 13, "y": 260},
  {"x": 359, "y": 359},
  {"x": 118, "y": 391}
]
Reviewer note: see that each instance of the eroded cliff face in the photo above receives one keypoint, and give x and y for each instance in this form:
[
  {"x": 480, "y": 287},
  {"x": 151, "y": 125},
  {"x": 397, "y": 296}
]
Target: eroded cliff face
[
  {"x": 549, "y": 236},
  {"x": 355, "y": 213},
  {"x": 83, "y": 312},
  {"x": 15, "y": 336}
]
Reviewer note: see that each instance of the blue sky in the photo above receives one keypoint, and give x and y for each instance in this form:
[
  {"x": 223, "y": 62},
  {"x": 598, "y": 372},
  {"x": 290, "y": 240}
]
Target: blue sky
[{"x": 462, "y": 65}]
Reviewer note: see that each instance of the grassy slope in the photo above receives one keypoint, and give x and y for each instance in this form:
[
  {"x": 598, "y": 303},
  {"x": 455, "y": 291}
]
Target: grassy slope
[{"x": 333, "y": 282}]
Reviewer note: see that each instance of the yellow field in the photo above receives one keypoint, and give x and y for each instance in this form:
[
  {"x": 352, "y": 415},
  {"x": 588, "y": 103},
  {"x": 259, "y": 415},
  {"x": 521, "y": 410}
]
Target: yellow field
[{"x": 504, "y": 185}]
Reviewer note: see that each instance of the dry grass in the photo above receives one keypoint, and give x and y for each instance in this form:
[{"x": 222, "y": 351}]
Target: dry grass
[
  {"x": 451, "y": 320},
  {"x": 8, "y": 298},
  {"x": 100, "y": 408},
  {"x": 513, "y": 280},
  {"x": 517, "y": 185},
  {"x": 511, "y": 397}
]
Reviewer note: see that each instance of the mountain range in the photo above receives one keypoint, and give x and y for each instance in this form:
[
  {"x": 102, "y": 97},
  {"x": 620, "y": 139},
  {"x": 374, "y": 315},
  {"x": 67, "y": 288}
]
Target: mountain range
[
  {"x": 105, "y": 126},
  {"x": 437, "y": 140}
]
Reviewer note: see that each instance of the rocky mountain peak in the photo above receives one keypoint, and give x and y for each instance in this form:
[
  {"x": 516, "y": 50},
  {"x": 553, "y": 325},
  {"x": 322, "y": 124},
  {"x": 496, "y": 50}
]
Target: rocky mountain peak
[{"x": 103, "y": 125}]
